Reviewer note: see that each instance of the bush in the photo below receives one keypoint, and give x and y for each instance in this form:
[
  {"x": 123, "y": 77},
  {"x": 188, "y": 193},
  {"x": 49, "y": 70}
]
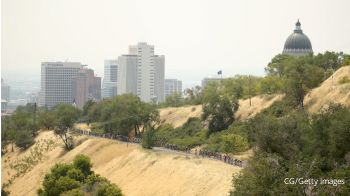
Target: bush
[
  {"x": 218, "y": 109},
  {"x": 164, "y": 133},
  {"x": 107, "y": 189},
  {"x": 148, "y": 138},
  {"x": 227, "y": 142},
  {"x": 234, "y": 143},
  {"x": 64, "y": 183},
  {"x": 189, "y": 135},
  {"x": 297, "y": 145},
  {"x": 76, "y": 179},
  {"x": 83, "y": 163},
  {"x": 344, "y": 80},
  {"x": 76, "y": 174},
  {"x": 24, "y": 139},
  {"x": 73, "y": 192}
]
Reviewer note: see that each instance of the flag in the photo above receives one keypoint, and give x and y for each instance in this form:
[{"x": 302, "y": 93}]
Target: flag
[{"x": 220, "y": 72}]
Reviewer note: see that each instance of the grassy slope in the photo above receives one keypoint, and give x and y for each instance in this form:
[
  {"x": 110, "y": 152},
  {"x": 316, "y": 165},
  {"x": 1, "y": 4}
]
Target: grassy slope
[
  {"x": 141, "y": 172},
  {"x": 135, "y": 170},
  {"x": 330, "y": 91},
  {"x": 314, "y": 100}
]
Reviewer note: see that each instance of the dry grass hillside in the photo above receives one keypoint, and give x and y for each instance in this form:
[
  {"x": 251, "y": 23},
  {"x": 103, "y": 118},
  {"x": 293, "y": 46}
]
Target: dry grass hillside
[
  {"x": 177, "y": 116},
  {"x": 330, "y": 91},
  {"x": 135, "y": 170},
  {"x": 258, "y": 103}
]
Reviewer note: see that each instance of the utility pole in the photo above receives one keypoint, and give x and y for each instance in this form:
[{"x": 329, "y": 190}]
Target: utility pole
[
  {"x": 250, "y": 97},
  {"x": 34, "y": 118}
]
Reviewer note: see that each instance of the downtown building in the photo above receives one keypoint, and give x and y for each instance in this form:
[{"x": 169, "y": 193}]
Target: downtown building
[
  {"x": 109, "y": 85},
  {"x": 67, "y": 82},
  {"x": 141, "y": 72},
  {"x": 5, "y": 91},
  {"x": 86, "y": 86},
  {"x": 172, "y": 86},
  {"x": 5, "y": 95}
]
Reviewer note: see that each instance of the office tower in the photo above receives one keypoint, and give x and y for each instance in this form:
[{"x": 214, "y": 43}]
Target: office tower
[
  {"x": 142, "y": 73},
  {"x": 86, "y": 86},
  {"x": 172, "y": 86},
  {"x": 109, "y": 86},
  {"x": 5, "y": 91},
  {"x": 159, "y": 78},
  {"x": 57, "y": 82}
]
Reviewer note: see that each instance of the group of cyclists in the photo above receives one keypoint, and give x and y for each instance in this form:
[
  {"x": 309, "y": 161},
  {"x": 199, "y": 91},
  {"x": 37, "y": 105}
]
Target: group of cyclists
[{"x": 223, "y": 157}]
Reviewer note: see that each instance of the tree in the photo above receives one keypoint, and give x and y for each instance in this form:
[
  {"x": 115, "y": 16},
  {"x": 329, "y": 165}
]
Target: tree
[
  {"x": 24, "y": 139},
  {"x": 69, "y": 180},
  {"x": 46, "y": 119},
  {"x": 194, "y": 95},
  {"x": 299, "y": 79},
  {"x": 83, "y": 163},
  {"x": 148, "y": 137},
  {"x": 297, "y": 145},
  {"x": 107, "y": 189},
  {"x": 218, "y": 109},
  {"x": 86, "y": 108},
  {"x": 122, "y": 114},
  {"x": 19, "y": 128},
  {"x": 234, "y": 143},
  {"x": 8, "y": 133},
  {"x": 66, "y": 115},
  {"x": 271, "y": 85},
  {"x": 278, "y": 65},
  {"x": 174, "y": 100}
]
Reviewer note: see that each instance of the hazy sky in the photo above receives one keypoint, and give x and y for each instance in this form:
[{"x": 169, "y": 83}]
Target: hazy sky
[{"x": 197, "y": 37}]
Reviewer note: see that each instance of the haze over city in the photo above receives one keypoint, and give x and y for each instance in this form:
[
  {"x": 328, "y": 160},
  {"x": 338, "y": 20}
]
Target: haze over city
[
  {"x": 198, "y": 38},
  {"x": 175, "y": 97}
]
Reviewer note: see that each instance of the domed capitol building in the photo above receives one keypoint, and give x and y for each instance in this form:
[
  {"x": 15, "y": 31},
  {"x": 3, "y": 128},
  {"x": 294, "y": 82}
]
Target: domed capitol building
[{"x": 297, "y": 44}]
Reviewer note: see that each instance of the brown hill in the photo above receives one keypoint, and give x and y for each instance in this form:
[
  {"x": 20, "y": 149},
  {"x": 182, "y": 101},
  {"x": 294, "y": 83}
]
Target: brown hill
[
  {"x": 258, "y": 103},
  {"x": 135, "y": 170},
  {"x": 177, "y": 116},
  {"x": 332, "y": 90}
]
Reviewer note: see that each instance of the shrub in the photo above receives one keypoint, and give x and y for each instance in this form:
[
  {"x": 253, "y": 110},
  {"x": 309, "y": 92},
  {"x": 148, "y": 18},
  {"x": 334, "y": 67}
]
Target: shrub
[
  {"x": 107, "y": 189},
  {"x": 24, "y": 139},
  {"x": 344, "y": 80},
  {"x": 76, "y": 179},
  {"x": 73, "y": 192},
  {"x": 83, "y": 163},
  {"x": 76, "y": 174},
  {"x": 148, "y": 138},
  {"x": 234, "y": 143}
]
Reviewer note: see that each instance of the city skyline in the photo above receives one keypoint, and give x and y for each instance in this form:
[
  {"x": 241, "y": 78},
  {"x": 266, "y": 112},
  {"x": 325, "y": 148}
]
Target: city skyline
[{"x": 205, "y": 37}]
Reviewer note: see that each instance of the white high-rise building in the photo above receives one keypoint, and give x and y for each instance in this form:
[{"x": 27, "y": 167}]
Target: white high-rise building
[
  {"x": 142, "y": 73},
  {"x": 172, "y": 86},
  {"x": 109, "y": 85},
  {"x": 56, "y": 82}
]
